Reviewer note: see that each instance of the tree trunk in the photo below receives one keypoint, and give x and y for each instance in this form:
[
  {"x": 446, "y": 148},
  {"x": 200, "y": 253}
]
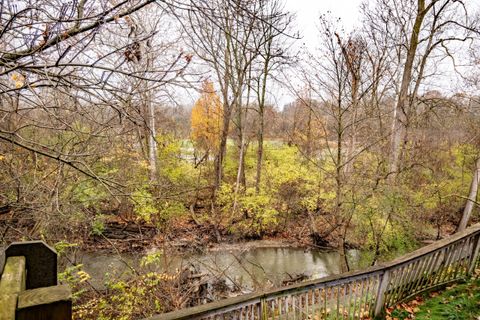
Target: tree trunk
[
  {"x": 240, "y": 146},
  {"x": 399, "y": 128},
  {"x": 152, "y": 143},
  {"x": 261, "y": 129},
  {"x": 472, "y": 196},
  {"x": 241, "y": 160},
  {"x": 259, "y": 151},
  {"x": 222, "y": 148}
]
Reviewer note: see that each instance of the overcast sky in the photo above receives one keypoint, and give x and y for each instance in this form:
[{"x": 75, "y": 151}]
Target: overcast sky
[
  {"x": 307, "y": 14},
  {"x": 308, "y": 11}
]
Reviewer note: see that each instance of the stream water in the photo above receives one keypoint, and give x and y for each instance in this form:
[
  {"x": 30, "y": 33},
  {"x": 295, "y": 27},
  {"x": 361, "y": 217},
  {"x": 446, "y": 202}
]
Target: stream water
[{"x": 250, "y": 269}]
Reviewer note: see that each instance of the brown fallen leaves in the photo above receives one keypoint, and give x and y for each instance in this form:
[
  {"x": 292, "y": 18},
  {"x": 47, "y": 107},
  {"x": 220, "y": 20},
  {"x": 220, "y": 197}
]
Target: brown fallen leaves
[{"x": 410, "y": 307}]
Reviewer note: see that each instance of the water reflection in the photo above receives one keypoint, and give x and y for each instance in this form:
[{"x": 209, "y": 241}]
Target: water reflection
[{"x": 251, "y": 269}]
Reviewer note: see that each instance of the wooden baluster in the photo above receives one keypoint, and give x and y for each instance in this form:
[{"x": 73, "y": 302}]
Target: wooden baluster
[
  {"x": 467, "y": 256},
  {"x": 294, "y": 307},
  {"x": 338, "y": 293},
  {"x": 314, "y": 291},
  {"x": 357, "y": 289},
  {"x": 362, "y": 292},
  {"x": 459, "y": 259},
  {"x": 411, "y": 285},
  {"x": 456, "y": 261},
  {"x": 263, "y": 309},
  {"x": 408, "y": 281},
  {"x": 352, "y": 290},
  {"x": 475, "y": 253},
  {"x": 448, "y": 261},
  {"x": 358, "y": 297},
  {"x": 444, "y": 264},
  {"x": 428, "y": 271},
  {"x": 437, "y": 267},
  {"x": 325, "y": 301},
  {"x": 308, "y": 303},
  {"x": 392, "y": 288},
  {"x": 419, "y": 277},
  {"x": 300, "y": 306},
  {"x": 344, "y": 299},
  {"x": 285, "y": 307},
  {"x": 278, "y": 307},
  {"x": 363, "y": 304},
  {"x": 403, "y": 273},
  {"x": 383, "y": 283},
  {"x": 367, "y": 295}
]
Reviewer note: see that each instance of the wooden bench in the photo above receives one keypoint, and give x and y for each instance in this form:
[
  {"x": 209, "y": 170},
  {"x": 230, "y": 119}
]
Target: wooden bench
[{"x": 28, "y": 284}]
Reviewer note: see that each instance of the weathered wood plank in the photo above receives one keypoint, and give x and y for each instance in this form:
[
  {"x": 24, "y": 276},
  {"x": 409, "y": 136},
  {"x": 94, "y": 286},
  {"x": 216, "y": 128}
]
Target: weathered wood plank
[
  {"x": 53, "y": 303},
  {"x": 45, "y": 295},
  {"x": 382, "y": 288},
  {"x": 475, "y": 253},
  {"x": 13, "y": 276},
  {"x": 8, "y": 304}
]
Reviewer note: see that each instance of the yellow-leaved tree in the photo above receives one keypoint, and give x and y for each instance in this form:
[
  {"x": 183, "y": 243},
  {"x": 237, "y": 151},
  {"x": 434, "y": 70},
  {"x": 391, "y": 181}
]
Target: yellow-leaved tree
[{"x": 207, "y": 119}]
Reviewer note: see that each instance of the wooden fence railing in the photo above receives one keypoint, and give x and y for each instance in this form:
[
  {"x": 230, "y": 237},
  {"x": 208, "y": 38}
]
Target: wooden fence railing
[
  {"x": 28, "y": 284},
  {"x": 355, "y": 295}
]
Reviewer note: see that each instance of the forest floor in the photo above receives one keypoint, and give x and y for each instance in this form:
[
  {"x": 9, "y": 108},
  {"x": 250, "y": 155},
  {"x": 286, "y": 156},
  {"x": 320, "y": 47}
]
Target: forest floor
[{"x": 186, "y": 235}]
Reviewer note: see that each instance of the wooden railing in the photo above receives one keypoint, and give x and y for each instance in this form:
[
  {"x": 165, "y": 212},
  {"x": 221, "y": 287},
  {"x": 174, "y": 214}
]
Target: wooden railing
[
  {"x": 355, "y": 295},
  {"x": 28, "y": 284}
]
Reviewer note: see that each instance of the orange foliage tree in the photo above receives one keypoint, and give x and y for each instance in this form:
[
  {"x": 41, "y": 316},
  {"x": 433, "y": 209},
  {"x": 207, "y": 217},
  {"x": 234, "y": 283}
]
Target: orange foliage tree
[{"x": 207, "y": 119}]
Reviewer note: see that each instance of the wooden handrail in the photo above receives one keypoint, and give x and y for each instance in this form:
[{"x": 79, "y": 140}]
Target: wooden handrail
[{"x": 354, "y": 293}]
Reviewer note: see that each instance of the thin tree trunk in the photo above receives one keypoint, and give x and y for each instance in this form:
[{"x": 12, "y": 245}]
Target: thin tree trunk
[
  {"x": 472, "y": 196},
  {"x": 309, "y": 130},
  {"x": 240, "y": 146},
  {"x": 261, "y": 114},
  {"x": 399, "y": 116},
  {"x": 353, "y": 135},
  {"x": 222, "y": 148},
  {"x": 260, "y": 152},
  {"x": 239, "y": 173},
  {"x": 152, "y": 143}
]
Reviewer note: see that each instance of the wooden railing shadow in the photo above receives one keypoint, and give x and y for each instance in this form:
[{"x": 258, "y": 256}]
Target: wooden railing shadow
[{"x": 356, "y": 295}]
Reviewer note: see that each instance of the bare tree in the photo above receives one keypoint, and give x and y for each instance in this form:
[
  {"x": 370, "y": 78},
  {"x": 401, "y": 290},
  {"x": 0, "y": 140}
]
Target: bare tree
[
  {"x": 421, "y": 31},
  {"x": 66, "y": 47},
  {"x": 272, "y": 46}
]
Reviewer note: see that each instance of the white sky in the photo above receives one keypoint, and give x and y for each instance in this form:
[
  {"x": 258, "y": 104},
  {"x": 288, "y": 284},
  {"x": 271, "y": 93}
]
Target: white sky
[
  {"x": 308, "y": 11},
  {"x": 307, "y": 14}
]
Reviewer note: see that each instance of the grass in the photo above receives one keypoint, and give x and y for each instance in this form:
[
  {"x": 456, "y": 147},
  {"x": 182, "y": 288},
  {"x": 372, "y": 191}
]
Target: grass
[
  {"x": 457, "y": 302},
  {"x": 461, "y": 301}
]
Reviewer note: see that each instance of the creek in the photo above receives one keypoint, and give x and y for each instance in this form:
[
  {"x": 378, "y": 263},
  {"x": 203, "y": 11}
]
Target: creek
[{"x": 247, "y": 268}]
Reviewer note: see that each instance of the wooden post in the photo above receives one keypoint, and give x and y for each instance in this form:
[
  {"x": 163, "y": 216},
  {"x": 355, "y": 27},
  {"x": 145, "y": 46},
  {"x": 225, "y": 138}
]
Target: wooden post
[
  {"x": 8, "y": 303},
  {"x": 41, "y": 262},
  {"x": 382, "y": 288},
  {"x": 28, "y": 289},
  {"x": 474, "y": 257},
  {"x": 11, "y": 284},
  {"x": 13, "y": 277}
]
